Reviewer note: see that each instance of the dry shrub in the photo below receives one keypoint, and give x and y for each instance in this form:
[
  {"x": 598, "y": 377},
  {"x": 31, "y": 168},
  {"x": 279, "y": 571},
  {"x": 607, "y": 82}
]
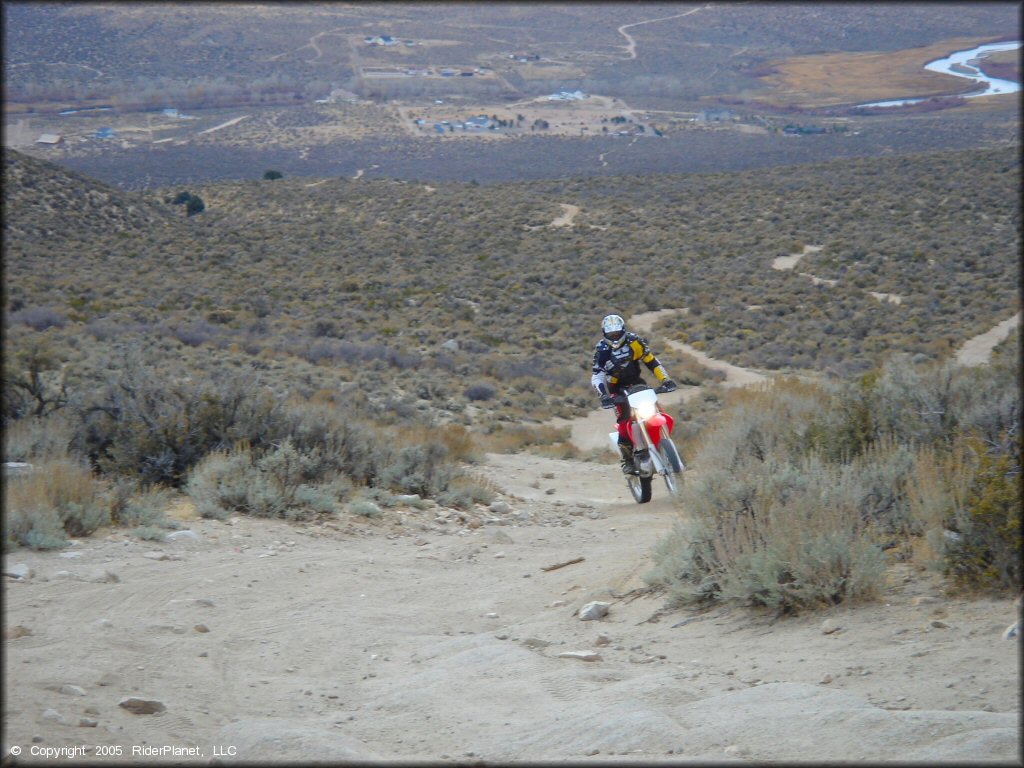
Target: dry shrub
[
  {"x": 283, "y": 482},
  {"x": 59, "y": 498},
  {"x": 218, "y": 484},
  {"x": 967, "y": 504},
  {"x": 136, "y": 506},
  {"x": 788, "y": 538},
  {"x": 774, "y": 523},
  {"x": 37, "y": 437},
  {"x": 458, "y": 441},
  {"x": 939, "y": 486},
  {"x": 503, "y": 438},
  {"x": 465, "y": 491},
  {"x": 145, "y": 426}
]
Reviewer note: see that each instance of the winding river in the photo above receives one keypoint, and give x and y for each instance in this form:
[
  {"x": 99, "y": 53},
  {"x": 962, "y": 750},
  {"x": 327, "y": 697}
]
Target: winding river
[{"x": 965, "y": 64}]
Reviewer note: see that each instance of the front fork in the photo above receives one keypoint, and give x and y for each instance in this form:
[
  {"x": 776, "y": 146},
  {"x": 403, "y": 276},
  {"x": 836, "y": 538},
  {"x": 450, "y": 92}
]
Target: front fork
[{"x": 642, "y": 449}]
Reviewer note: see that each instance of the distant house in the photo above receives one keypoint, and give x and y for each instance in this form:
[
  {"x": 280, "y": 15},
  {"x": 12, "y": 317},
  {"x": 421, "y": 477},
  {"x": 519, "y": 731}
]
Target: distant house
[
  {"x": 480, "y": 121},
  {"x": 50, "y": 139},
  {"x": 170, "y": 112},
  {"x": 341, "y": 95},
  {"x": 567, "y": 96}
]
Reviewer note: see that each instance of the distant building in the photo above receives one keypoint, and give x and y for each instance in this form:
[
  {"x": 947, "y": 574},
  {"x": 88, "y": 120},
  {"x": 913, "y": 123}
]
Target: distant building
[
  {"x": 50, "y": 139},
  {"x": 339, "y": 95},
  {"x": 170, "y": 112},
  {"x": 713, "y": 115},
  {"x": 567, "y": 96},
  {"x": 105, "y": 133},
  {"x": 479, "y": 121}
]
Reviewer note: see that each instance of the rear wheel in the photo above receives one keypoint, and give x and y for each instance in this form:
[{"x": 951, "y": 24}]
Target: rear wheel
[{"x": 640, "y": 487}]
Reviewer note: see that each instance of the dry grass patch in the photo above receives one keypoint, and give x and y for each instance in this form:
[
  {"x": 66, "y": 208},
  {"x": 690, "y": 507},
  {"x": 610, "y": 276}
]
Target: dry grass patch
[
  {"x": 59, "y": 498},
  {"x": 840, "y": 78}
]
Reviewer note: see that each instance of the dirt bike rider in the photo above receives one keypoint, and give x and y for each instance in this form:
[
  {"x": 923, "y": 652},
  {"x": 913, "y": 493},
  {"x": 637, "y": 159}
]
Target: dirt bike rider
[{"x": 617, "y": 359}]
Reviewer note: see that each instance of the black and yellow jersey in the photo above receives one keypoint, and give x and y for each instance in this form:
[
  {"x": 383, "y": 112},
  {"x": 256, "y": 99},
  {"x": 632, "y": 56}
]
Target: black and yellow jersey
[{"x": 621, "y": 367}]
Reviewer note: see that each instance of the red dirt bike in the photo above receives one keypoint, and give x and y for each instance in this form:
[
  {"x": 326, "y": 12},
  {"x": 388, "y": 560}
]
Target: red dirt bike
[{"x": 649, "y": 428}]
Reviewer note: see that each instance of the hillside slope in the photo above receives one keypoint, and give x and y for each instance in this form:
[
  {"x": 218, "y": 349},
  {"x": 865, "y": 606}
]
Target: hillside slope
[
  {"x": 45, "y": 203},
  {"x": 315, "y": 282}
]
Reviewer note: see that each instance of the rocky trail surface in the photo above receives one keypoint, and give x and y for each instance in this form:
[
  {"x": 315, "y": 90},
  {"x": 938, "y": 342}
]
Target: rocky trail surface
[
  {"x": 439, "y": 635},
  {"x": 424, "y": 637}
]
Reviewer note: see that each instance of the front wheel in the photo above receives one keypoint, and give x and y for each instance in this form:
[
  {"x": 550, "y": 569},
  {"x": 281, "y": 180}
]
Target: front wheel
[
  {"x": 640, "y": 487},
  {"x": 671, "y": 460}
]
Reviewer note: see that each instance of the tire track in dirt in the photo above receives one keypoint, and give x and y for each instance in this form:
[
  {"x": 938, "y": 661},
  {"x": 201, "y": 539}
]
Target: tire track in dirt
[{"x": 735, "y": 376}]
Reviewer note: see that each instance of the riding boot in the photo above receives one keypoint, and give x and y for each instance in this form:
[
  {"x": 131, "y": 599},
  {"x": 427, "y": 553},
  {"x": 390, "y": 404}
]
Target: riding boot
[{"x": 627, "y": 458}]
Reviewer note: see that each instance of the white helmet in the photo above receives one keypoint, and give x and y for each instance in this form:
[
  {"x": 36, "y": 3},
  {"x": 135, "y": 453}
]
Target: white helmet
[{"x": 614, "y": 329}]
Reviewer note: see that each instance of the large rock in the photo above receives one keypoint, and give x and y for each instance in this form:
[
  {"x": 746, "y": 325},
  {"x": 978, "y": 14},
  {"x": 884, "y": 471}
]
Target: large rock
[
  {"x": 580, "y": 655},
  {"x": 185, "y": 535},
  {"x": 594, "y": 610},
  {"x": 18, "y": 571},
  {"x": 142, "y": 706},
  {"x": 500, "y": 507}
]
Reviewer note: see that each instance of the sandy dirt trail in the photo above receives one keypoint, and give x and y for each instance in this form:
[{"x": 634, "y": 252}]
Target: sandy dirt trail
[
  {"x": 976, "y": 351},
  {"x": 446, "y": 636},
  {"x": 225, "y": 124}
]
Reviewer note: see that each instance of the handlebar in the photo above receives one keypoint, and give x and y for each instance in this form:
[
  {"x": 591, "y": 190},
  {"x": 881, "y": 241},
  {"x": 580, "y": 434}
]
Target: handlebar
[{"x": 622, "y": 397}]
